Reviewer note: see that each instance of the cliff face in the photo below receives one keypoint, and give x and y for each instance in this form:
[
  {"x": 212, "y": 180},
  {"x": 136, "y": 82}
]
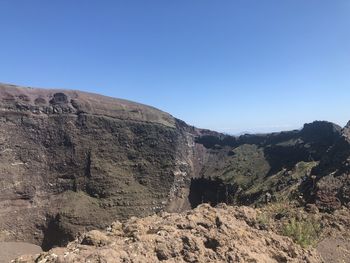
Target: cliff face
[
  {"x": 250, "y": 168},
  {"x": 330, "y": 189},
  {"x": 73, "y": 160}
]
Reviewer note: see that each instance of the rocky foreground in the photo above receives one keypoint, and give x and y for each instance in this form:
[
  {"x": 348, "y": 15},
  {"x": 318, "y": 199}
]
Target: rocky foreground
[{"x": 205, "y": 234}]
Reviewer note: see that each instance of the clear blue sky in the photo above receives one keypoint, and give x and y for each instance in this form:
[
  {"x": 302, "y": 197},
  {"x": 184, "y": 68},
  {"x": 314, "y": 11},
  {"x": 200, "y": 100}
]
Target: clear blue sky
[{"x": 228, "y": 65}]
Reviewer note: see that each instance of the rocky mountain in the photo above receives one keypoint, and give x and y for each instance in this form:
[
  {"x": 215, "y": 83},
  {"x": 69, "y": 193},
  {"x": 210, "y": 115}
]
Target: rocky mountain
[
  {"x": 72, "y": 161},
  {"x": 330, "y": 186},
  {"x": 252, "y": 167}
]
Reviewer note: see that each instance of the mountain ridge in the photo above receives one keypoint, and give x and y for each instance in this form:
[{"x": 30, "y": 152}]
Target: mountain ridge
[{"x": 74, "y": 161}]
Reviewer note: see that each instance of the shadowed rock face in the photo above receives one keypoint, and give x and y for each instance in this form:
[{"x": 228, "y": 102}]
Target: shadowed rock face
[
  {"x": 330, "y": 188},
  {"x": 211, "y": 191}
]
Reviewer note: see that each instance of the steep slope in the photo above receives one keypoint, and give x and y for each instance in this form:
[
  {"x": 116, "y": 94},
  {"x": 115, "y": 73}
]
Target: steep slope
[
  {"x": 205, "y": 234},
  {"x": 71, "y": 161},
  {"x": 330, "y": 187},
  {"x": 250, "y": 168}
]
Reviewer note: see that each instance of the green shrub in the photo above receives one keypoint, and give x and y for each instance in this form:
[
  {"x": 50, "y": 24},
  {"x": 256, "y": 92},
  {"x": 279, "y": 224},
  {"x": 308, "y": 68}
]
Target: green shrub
[
  {"x": 263, "y": 220},
  {"x": 305, "y": 232}
]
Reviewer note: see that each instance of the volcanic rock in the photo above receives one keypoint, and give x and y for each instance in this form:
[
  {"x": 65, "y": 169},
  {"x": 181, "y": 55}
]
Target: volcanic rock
[
  {"x": 204, "y": 234},
  {"x": 72, "y": 161}
]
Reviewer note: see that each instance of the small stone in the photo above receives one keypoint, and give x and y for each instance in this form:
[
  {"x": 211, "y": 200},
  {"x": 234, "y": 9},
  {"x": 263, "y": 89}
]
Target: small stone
[{"x": 95, "y": 238}]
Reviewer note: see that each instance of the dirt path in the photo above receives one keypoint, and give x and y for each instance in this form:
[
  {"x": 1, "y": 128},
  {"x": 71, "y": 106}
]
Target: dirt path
[
  {"x": 11, "y": 250},
  {"x": 335, "y": 250}
]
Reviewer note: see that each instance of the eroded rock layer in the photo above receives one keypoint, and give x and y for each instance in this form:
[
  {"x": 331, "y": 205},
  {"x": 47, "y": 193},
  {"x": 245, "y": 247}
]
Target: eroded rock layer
[{"x": 71, "y": 161}]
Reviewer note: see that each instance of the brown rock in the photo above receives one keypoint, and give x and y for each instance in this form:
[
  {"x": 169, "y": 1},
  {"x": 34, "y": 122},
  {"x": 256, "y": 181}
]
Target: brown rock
[
  {"x": 95, "y": 238},
  {"x": 163, "y": 239},
  {"x": 311, "y": 208}
]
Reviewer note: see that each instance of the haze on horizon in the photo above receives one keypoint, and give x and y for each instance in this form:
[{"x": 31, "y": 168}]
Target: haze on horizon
[{"x": 231, "y": 66}]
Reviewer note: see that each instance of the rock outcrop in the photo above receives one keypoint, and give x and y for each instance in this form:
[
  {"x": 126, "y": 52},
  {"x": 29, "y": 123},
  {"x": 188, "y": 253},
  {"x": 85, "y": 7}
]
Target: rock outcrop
[{"x": 205, "y": 234}]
